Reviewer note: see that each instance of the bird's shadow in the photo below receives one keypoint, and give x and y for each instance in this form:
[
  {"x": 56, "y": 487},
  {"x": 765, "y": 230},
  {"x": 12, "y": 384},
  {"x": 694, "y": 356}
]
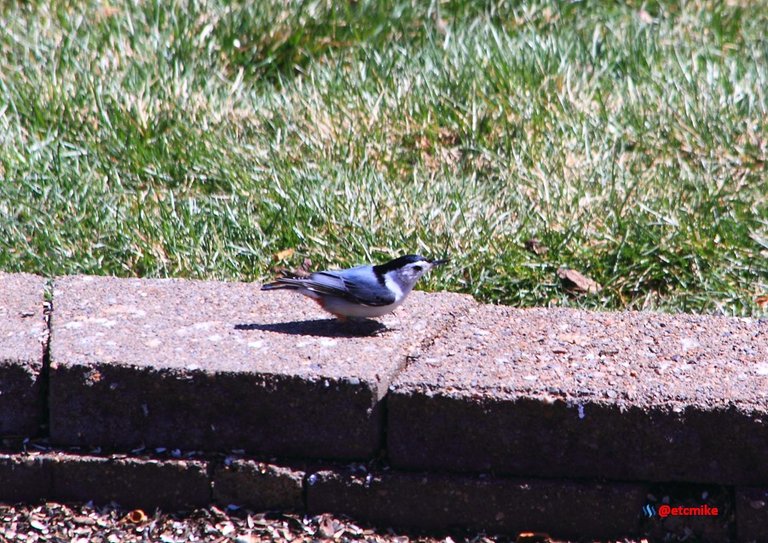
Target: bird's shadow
[{"x": 321, "y": 327}]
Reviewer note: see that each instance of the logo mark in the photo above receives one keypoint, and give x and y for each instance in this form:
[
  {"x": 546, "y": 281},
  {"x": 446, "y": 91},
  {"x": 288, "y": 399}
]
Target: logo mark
[{"x": 666, "y": 510}]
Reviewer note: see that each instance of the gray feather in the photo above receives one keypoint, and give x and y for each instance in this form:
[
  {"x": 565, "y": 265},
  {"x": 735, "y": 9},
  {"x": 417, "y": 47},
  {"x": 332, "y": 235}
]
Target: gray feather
[{"x": 354, "y": 285}]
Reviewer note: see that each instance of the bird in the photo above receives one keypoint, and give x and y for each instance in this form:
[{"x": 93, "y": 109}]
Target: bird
[{"x": 365, "y": 291}]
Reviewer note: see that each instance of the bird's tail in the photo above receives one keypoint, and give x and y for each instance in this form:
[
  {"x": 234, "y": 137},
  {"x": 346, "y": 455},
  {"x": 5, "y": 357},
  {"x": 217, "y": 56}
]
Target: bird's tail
[{"x": 291, "y": 284}]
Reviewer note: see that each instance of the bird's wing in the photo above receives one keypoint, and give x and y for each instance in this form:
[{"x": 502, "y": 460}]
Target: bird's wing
[
  {"x": 361, "y": 283},
  {"x": 356, "y": 285},
  {"x": 351, "y": 285}
]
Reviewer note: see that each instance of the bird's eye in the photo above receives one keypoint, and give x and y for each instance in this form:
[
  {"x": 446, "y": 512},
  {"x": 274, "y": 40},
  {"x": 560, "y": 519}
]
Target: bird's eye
[{"x": 417, "y": 268}]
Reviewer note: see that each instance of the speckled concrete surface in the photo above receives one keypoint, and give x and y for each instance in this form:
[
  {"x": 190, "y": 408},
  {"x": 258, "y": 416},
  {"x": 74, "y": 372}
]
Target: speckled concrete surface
[
  {"x": 220, "y": 366},
  {"x": 24, "y": 477},
  {"x": 569, "y": 410},
  {"x": 260, "y": 486},
  {"x": 23, "y": 335},
  {"x": 543, "y": 392},
  {"x": 436, "y": 502},
  {"x": 752, "y": 514},
  {"x": 131, "y": 482}
]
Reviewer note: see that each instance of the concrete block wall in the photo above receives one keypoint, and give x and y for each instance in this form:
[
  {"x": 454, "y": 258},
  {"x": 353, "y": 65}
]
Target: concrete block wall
[{"x": 445, "y": 415}]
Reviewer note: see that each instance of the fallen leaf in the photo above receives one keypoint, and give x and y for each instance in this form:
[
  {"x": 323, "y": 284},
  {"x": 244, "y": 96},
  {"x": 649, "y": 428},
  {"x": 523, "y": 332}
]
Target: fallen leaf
[
  {"x": 577, "y": 282},
  {"x": 762, "y": 301},
  {"x": 284, "y": 254},
  {"x": 225, "y": 528},
  {"x": 108, "y": 11},
  {"x": 136, "y": 516},
  {"x": 448, "y": 137},
  {"x": 533, "y": 537},
  {"x": 535, "y": 246},
  {"x": 645, "y": 17},
  {"x": 294, "y": 273},
  {"x": 326, "y": 528},
  {"x": 441, "y": 25}
]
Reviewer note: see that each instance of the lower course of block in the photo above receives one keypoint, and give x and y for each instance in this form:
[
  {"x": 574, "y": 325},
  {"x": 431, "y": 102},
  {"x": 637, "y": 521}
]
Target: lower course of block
[
  {"x": 437, "y": 503},
  {"x": 495, "y": 505},
  {"x": 258, "y": 485},
  {"x": 752, "y": 514},
  {"x": 129, "y": 482}
]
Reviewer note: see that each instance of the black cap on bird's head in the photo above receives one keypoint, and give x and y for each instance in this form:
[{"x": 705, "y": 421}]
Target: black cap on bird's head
[{"x": 404, "y": 261}]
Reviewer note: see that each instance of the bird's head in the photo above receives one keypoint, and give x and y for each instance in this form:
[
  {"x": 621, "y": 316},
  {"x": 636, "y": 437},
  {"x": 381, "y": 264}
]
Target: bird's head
[{"x": 408, "y": 269}]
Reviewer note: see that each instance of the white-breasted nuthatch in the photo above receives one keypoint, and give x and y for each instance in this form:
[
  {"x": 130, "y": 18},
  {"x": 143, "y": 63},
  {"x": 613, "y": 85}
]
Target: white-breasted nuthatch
[{"x": 363, "y": 291}]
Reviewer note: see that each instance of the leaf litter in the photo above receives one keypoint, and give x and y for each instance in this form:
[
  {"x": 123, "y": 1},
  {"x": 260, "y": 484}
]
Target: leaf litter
[{"x": 59, "y": 523}]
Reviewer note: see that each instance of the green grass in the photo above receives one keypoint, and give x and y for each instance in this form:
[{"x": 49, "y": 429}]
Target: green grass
[{"x": 199, "y": 139}]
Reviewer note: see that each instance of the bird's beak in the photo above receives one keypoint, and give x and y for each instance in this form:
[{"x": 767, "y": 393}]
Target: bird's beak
[{"x": 439, "y": 262}]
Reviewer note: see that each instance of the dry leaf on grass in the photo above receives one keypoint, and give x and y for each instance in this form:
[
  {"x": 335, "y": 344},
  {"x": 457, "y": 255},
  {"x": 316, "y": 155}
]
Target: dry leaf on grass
[
  {"x": 645, "y": 17},
  {"x": 535, "y": 246},
  {"x": 576, "y": 282},
  {"x": 284, "y": 254},
  {"x": 294, "y": 273}
]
